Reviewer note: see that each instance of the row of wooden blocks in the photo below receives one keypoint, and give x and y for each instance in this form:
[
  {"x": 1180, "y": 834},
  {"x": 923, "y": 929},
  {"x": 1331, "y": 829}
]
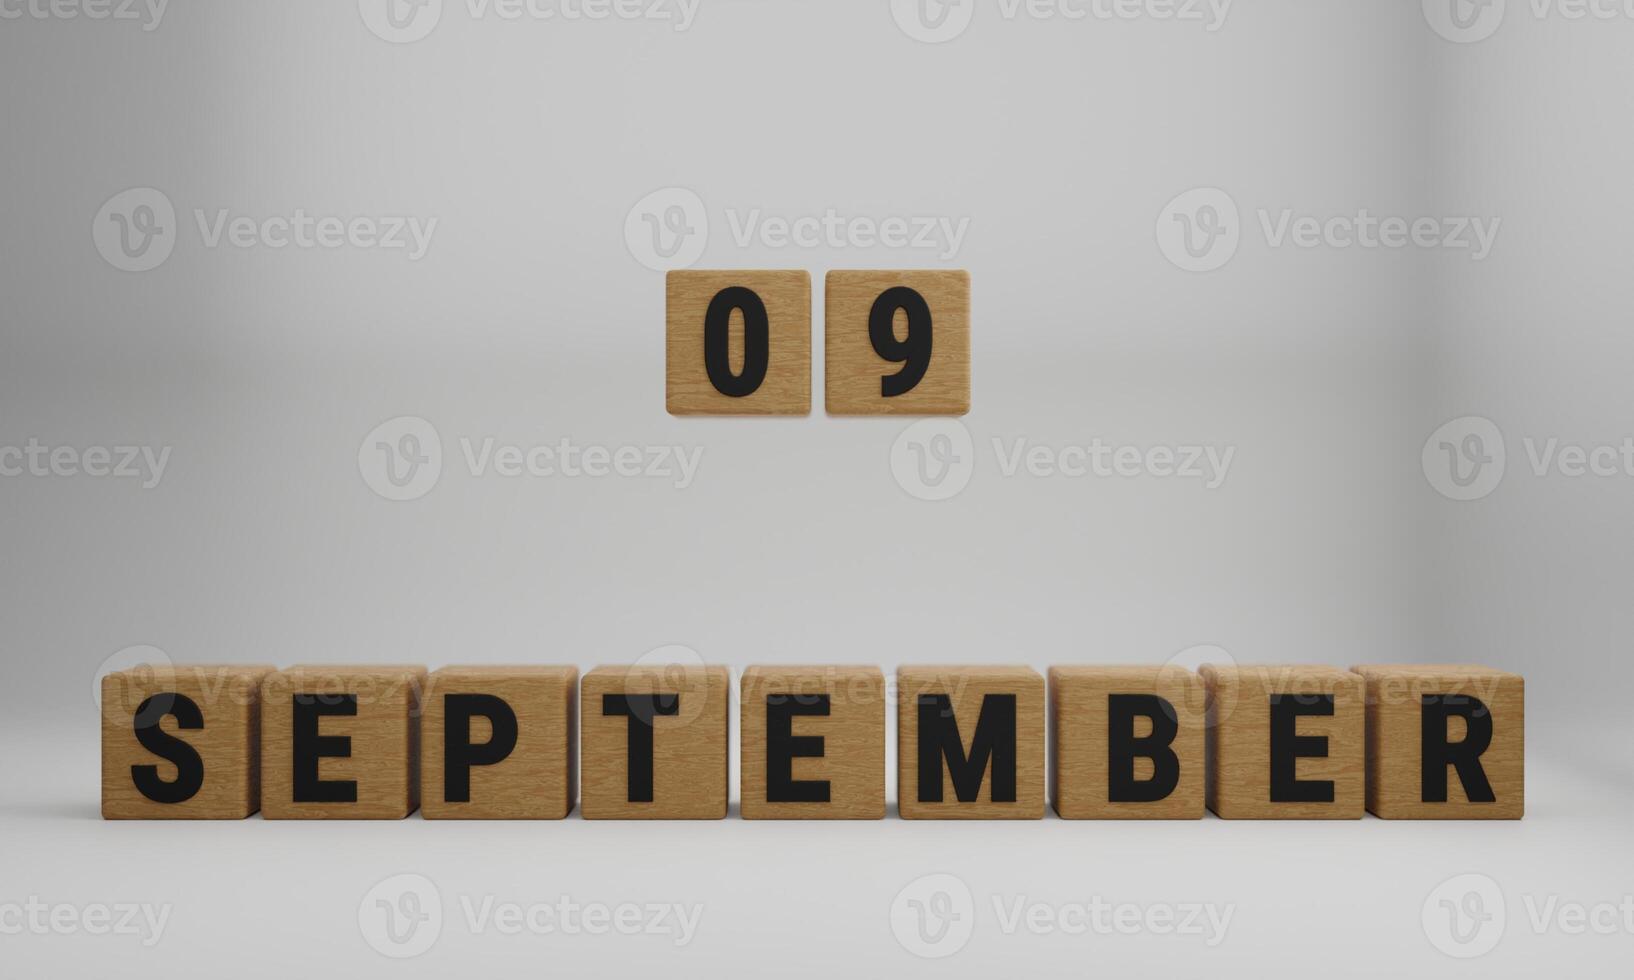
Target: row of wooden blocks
[
  {"x": 1296, "y": 742},
  {"x": 897, "y": 342}
]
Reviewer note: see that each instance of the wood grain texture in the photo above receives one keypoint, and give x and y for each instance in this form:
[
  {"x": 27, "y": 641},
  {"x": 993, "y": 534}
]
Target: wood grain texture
[
  {"x": 966, "y": 688},
  {"x": 228, "y": 699},
  {"x": 786, "y": 389},
  {"x": 1080, "y": 743},
  {"x": 853, "y": 369},
  {"x": 689, "y": 747},
  {"x": 384, "y": 735},
  {"x": 1395, "y": 751},
  {"x": 852, "y": 759},
  {"x": 1238, "y": 745},
  {"x": 538, "y": 780}
]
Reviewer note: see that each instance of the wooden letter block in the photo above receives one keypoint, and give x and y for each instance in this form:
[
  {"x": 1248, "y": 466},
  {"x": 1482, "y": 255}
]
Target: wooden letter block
[
  {"x": 499, "y": 743},
  {"x": 1445, "y": 743},
  {"x": 1285, "y": 743},
  {"x": 970, "y": 743},
  {"x": 898, "y": 342},
  {"x": 813, "y": 743},
  {"x": 341, "y": 743},
  {"x": 1126, "y": 743},
  {"x": 739, "y": 343},
  {"x": 180, "y": 743},
  {"x": 655, "y": 742}
]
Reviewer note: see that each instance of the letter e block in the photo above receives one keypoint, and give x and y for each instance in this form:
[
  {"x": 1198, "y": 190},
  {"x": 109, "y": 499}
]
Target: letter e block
[
  {"x": 1445, "y": 743},
  {"x": 654, "y": 742},
  {"x": 813, "y": 743},
  {"x": 1284, "y": 743},
  {"x": 341, "y": 743},
  {"x": 500, "y": 743},
  {"x": 970, "y": 743},
  {"x": 180, "y": 743},
  {"x": 1126, "y": 743}
]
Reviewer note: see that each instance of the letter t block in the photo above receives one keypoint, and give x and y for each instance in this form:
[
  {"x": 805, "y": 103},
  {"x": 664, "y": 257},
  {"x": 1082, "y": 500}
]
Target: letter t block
[{"x": 654, "y": 740}]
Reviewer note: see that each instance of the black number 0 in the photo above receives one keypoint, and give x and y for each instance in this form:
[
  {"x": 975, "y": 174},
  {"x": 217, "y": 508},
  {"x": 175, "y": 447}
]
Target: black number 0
[
  {"x": 912, "y": 352},
  {"x": 756, "y": 341}
]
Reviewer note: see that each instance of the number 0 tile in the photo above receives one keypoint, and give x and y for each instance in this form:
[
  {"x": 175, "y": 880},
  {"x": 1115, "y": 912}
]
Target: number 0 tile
[{"x": 738, "y": 342}]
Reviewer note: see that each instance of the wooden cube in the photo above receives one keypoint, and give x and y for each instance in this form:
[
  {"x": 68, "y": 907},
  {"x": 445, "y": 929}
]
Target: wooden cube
[
  {"x": 181, "y": 743},
  {"x": 739, "y": 342},
  {"x": 1284, "y": 743},
  {"x": 1126, "y": 743},
  {"x": 1445, "y": 743},
  {"x": 970, "y": 743},
  {"x": 813, "y": 743},
  {"x": 897, "y": 342},
  {"x": 654, "y": 742},
  {"x": 341, "y": 742},
  {"x": 499, "y": 743}
]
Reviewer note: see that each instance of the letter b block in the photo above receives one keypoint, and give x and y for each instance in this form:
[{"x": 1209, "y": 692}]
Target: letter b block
[
  {"x": 341, "y": 743},
  {"x": 1126, "y": 743},
  {"x": 1445, "y": 743},
  {"x": 180, "y": 743},
  {"x": 970, "y": 743},
  {"x": 1284, "y": 743},
  {"x": 738, "y": 343},
  {"x": 500, "y": 743},
  {"x": 654, "y": 742},
  {"x": 813, "y": 743}
]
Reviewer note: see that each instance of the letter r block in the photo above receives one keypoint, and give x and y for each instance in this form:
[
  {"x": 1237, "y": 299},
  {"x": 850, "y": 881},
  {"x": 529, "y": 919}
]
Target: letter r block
[
  {"x": 970, "y": 743},
  {"x": 1445, "y": 743},
  {"x": 813, "y": 743},
  {"x": 341, "y": 743},
  {"x": 1126, "y": 743},
  {"x": 1284, "y": 743},
  {"x": 179, "y": 743},
  {"x": 654, "y": 740},
  {"x": 500, "y": 743}
]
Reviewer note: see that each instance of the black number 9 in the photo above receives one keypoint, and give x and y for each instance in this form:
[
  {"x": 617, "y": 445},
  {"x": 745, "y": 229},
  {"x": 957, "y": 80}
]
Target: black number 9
[
  {"x": 756, "y": 341},
  {"x": 912, "y": 352}
]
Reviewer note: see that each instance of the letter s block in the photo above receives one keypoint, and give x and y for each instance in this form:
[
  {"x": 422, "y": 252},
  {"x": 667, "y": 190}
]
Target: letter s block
[
  {"x": 500, "y": 743},
  {"x": 341, "y": 743},
  {"x": 1284, "y": 743},
  {"x": 1126, "y": 743},
  {"x": 970, "y": 743},
  {"x": 1445, "y": 743},
  {"x": 738, "y": 343},
  {"x": 179, "y": 743},
  {"x": 654, "y": 740}
]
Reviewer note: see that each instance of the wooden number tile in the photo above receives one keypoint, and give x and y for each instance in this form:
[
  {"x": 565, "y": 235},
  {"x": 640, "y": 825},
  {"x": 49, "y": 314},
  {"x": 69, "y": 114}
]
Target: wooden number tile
[
  {"x": 813, "y": 743},
  {"x": 341, "y": 742},
  {"x": 654, "y": 742},
  {"x": 1284, "y": 743},
  {"x": 499, "y": 743},
  {"x": 970, "y": 743},
  {"x": 738, "y": 343},
  {"x": 897, "y": 342},
  {"x": 1126, "y": 743},
  {"x": 1445, "y": 743},
  {"x": 180, "y": 743}
]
